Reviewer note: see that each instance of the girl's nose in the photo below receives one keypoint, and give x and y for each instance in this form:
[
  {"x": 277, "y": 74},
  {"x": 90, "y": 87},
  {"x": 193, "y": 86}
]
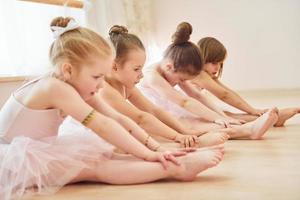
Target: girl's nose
[
  {"x": 100, "y": 84},
  {"x": 141, "y": 75}
]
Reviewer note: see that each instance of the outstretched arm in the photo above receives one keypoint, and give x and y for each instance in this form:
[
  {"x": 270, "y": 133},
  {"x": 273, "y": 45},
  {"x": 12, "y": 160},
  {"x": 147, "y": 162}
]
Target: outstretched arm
[
  {"x": 70, "y": 103},
  {"x": 144, "y": 119},
  {"x": 188, "y": 103},
  {"x": 100, "y": 105},
  {"x": 224, "y": 93},
  {"x": 141, "y": 102},
  {"x": 191, "y": 90}
]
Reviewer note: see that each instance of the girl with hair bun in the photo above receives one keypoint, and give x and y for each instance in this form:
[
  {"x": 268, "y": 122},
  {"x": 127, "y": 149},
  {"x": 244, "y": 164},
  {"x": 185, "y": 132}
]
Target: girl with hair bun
[
  {"x": 35, "y": 160},
  {"x": 121, "y": 93},
  {"x": 183, "y": 61},
  {"x": 214, "y": 54}
]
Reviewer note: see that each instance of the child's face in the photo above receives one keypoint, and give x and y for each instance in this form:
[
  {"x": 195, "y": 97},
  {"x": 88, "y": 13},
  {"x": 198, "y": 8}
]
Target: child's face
[
  {"x": 130, "y": 72},
  {"x": 213, "y": 68},
  {"x": 175, "y": 78},
  {"x": 88, "y": 79}
]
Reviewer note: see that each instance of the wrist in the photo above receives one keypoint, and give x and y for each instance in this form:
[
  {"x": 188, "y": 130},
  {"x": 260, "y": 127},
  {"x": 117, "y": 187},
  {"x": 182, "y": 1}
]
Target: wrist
[
  {"x": 151, "y": 143},
  {"x": 252, "y": 110},
  {"x": 159, "y": 148},
  {"x": 177, "y": 137},
  {"x": 224, "y": 115},
  {"x": 187, "y": 132},
  {"x": 154, "y": 146},
  {"x": 146, "y": 141},
  {"x": 149, "y": 156}
]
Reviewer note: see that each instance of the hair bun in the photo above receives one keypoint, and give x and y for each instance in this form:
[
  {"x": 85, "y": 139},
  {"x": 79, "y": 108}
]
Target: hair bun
[
  {"x": 116, "y": 29},
  {"x": 60, "y": 21},
  {"x": 182, "y": 34}
]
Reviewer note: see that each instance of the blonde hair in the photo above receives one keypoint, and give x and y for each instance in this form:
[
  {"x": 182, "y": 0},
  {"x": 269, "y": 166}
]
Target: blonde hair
[
  {"x": 77, "y": 45},
  {"x": 185, "y": 54}
]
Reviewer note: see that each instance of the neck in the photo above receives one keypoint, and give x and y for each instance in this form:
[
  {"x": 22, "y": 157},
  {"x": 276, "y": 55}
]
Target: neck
[
  {"x": 161, "y": 69},
  {"x": 115, "y": 83}
]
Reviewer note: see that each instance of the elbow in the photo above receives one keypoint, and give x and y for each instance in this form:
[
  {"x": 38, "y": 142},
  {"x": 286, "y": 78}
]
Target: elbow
[
  {"x": 184, "y": 103},
  {"x": 144, "y": 118},
  {"x": 224, "y": 96},
  {"x": 156, "y": 112}
]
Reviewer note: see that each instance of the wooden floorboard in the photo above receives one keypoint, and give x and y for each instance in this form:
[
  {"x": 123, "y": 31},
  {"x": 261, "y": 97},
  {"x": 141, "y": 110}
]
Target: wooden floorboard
[{"x": 266, "y": 169}]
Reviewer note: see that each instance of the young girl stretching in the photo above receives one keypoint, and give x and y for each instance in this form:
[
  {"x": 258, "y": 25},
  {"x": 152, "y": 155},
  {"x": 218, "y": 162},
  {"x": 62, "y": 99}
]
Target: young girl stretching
[
  {"x": 177, "y": 67},
  {"x": 120, "y": 87},
  {"x": 34, "y": 159},
  {"x": 214, "y": 54}
]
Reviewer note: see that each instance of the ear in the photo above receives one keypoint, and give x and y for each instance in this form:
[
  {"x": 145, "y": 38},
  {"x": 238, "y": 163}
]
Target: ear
[
  {"x": 115, "y": 66},
  {"x": 170, "y": 66},
  {"x": 66, "y": 70}
]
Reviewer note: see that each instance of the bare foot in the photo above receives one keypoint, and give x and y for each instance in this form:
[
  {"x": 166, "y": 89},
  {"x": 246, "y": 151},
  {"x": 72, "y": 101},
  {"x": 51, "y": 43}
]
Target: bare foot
[
  {"x": 219, "y": 147},
  {"x": 286, "y": 114},
  {"x": 259, "y": 126},
  {"x": 212, "y": 138},
  {"x": 196, "y": 162}
]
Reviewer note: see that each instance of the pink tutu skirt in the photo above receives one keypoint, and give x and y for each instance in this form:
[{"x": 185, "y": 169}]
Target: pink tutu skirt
[
  {"x": 29, "y": 166},
  {"x": 165, "y": 103}
]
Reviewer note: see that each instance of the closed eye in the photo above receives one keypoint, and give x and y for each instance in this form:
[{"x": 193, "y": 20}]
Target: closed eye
[
  {"x": 137, "y": 68},
  {"x": 97, "y": 77}
]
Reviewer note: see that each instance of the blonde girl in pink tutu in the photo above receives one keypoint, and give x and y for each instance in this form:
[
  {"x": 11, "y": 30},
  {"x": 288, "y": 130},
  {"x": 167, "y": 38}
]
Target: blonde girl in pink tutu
[{"x": 34, "y": 159}]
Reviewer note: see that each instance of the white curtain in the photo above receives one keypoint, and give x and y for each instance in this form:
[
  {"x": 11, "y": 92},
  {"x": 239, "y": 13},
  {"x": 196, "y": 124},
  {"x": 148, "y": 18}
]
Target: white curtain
[
  {"x": 11, "y": 42},
  {"x": 136, "y": 15},
  {"x": 25, "y": 35}
]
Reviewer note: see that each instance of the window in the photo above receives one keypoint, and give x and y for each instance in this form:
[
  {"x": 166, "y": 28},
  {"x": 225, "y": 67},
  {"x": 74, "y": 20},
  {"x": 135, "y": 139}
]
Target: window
[{"x": 25, "y": 35}]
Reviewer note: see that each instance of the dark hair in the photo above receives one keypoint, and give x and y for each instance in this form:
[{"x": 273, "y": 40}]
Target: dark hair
[
  {"x": 213, "y": 51},
  {"x": 185, "y": 54},
  {"x": 124, "y": 41}
]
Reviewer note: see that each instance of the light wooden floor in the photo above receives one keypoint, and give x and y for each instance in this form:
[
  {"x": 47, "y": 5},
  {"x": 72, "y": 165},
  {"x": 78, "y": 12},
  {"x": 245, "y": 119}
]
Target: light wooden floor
[{"x": 264, "y": 169}]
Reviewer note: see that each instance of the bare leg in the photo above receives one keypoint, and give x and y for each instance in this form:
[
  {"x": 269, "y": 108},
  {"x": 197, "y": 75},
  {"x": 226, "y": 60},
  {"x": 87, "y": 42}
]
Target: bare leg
[
  {"x": 211, "y": 139},
  {"x": 139, "y": 171},
  {"x": 199, "y": 125},
  {"x": 170, "y": 146},
  {"x": 253, "y": 130},
  {"x": 285, "y": 114},
  {"x": 242, "y": 116},
  {"x": 176, "y": 146}
]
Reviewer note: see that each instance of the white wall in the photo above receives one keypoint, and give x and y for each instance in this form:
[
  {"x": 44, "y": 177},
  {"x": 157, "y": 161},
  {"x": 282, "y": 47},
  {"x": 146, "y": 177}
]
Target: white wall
[
  {"x": 6, "y": 89},
  {"x": 262, "y": 37}
]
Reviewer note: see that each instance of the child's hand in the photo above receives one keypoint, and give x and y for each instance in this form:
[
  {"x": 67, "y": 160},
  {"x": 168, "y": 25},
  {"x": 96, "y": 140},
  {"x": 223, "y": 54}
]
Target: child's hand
[
  {"x": 258, "y": 112},
  {"x": 193, "y": 132},
  {"x": 235, "y": 121},
  {"x": 223, "y": 122},
  {"x": 175, "y": 150},
  {"x": 187, "y": 140},
  {"x": 164, "y": 157}
]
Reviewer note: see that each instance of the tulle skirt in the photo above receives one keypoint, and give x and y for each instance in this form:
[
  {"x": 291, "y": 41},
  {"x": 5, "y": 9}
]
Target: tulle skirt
[
  {"x": 29, "y": 166},
  {"x": 165, "y": 103}
]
